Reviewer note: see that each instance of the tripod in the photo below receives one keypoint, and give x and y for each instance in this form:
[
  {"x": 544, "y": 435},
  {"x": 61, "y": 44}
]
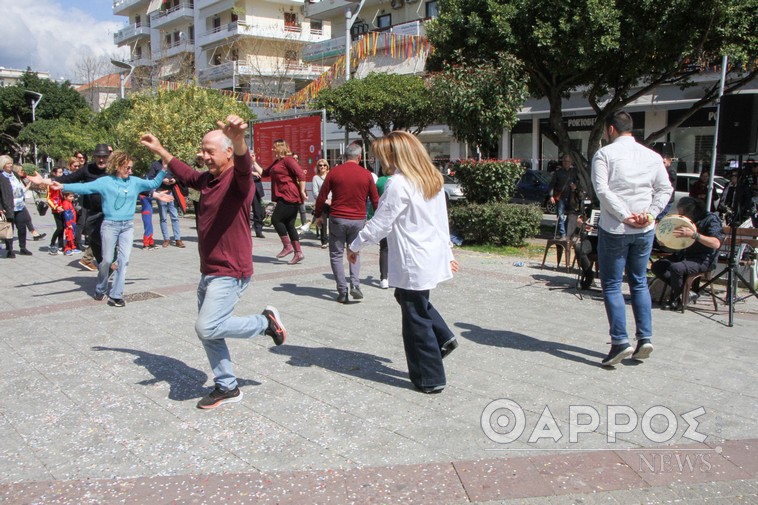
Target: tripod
[{"x": 733, "y": 275}]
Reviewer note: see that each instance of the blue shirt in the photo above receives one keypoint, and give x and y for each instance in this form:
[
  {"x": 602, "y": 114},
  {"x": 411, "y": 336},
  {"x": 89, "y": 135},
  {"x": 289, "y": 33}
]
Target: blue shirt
[{"x": 119, "y": 195}]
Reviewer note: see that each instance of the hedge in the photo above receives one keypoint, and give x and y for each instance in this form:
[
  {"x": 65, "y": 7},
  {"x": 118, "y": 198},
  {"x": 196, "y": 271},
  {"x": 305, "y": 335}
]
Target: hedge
[{"x": 496, "y": 223}]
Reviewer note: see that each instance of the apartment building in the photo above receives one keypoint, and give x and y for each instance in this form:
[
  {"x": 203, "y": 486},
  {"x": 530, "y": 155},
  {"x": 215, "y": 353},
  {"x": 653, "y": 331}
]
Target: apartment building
[{"x": 243, "y": 45}]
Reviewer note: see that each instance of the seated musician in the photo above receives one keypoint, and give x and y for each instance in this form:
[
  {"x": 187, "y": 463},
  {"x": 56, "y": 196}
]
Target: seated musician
[
  {"x": 586, "y": 246},
  {"x": 699, "y": 257}
]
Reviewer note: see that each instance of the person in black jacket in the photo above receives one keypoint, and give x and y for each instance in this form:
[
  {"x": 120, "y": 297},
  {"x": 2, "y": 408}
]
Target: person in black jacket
[
  {"x": 92, "y": 203},
  {"x": 6, "y": 204}
]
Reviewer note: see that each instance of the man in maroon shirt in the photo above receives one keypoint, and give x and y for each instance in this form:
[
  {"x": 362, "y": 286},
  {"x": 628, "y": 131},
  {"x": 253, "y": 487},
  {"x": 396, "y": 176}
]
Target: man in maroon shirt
[
  {"x": 226, "y": 250},
  {"x": 351, "y": 185}
]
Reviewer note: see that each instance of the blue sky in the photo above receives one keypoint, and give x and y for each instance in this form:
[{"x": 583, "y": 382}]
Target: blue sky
[{"x": 55, "y": 35}]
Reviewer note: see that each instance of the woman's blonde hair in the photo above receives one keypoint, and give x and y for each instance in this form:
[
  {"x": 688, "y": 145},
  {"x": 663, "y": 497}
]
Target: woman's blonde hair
[
  {"x": 402, "y": 152},
  {"x": 281, "y": 148},
  {"x": 72, "y": 160},
  {"x": 117, "y": 160},
  {"x": 4, "y": 160}
]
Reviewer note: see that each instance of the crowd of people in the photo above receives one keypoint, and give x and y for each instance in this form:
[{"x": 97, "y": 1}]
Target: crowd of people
[{"x": 404, "y": 211}]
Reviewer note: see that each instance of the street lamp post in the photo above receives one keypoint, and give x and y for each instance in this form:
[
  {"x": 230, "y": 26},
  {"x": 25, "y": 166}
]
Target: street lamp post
[
  {"x": 125, "y": 66},
  {"x": 350, "y": 18},
  {"x": 34, "y": 116}
]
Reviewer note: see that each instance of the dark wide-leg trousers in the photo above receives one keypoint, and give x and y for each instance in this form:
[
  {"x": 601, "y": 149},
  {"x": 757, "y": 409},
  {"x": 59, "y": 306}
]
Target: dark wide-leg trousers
[{"x": 424, "y": 334}]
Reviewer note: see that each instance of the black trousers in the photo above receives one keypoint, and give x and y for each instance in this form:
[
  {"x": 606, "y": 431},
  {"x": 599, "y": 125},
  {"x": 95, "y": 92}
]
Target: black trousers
[
  {"x": 59, "y": 227},
  {"x": 21, "y": 218},
  {"x": 258, "y": 214},
  {"x": 283, "y": 219},
  {"x": 673, "y": 273},
  {"x": 424, "y": 334},
  {"x": 92, "y": 225}
]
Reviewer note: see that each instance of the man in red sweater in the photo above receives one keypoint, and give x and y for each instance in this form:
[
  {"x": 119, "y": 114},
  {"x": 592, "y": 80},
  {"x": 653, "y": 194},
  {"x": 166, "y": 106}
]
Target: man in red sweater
[
  {"x": 351, "y": 185},
  {"x": 226, "y": 250}
]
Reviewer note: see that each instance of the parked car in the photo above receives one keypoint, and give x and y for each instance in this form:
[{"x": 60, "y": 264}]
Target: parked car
[
  {"x": 684, "y": 182},
  {"x": 534, "y": 187},
  {"x": 453, "y": 190}
]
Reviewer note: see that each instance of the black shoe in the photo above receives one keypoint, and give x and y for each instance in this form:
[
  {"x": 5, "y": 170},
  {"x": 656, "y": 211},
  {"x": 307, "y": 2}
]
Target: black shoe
[
  {"x": 356, "y": 293},
  {"x": 275, "y": 328},
  {"x": 116, "y": 302},
  {"x": 431, "y": 390},
  {"x": 25, "y": 252},
  {"x": 99, "y": 297},
  {"x": 449, "y": 347},
  {"x": 342, "y": 298},
  {"x": 260, "y": 235},
  {"x": 219, "y": 397},
  {"x": 618, "y": 353},
  {"x": 11, "y": 254},
  {"x": 693, "y": 297},
  {"x": 644, "y": 349},
  {"x": 587, "y": 278},
  {"x": 673, "y": 306},
  {"x": 39, "y": 237}
]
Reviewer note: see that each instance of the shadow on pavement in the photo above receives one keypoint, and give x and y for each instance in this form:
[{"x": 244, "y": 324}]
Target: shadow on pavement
[
  {"x": 321, "y": 293},
  {"x": 357, "y": 364},
  {"x": 518, "y": 341},
  {"x": 185, "y": 382}
]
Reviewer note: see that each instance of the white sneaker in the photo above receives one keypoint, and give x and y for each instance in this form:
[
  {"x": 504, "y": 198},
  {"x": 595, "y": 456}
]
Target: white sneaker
[
  {"x": 385, "y": 284},
  {"x": 305, "y": 227}
]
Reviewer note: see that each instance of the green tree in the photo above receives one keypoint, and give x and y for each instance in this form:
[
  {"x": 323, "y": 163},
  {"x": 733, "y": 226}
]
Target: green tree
[
  {"x": 478, "y": 101},
  {"x": 615, "y": 52},
  {"x": 385, "y": 101},
  {"x": 179, "y": 118}
]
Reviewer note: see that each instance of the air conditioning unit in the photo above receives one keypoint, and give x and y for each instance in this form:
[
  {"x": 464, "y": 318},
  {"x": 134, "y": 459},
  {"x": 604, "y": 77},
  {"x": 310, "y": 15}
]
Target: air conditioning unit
[{"x": 396, "y": 4}]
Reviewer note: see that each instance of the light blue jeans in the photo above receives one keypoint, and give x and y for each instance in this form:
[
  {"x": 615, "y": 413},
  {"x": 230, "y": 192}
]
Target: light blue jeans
[
  {"x": 116, "y": 239},
  {"x": 615, "y": 253},
  {"x": 216, "y": 298},
  {"x": 169, "y": 208}
]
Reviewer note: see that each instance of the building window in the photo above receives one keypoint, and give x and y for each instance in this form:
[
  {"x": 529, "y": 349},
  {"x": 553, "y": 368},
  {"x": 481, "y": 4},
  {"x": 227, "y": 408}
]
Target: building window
[
  {"x": 168, "y": 40},
  {"x": 290, "y": 56},
  {"x": 216, "y": 23},
  {"x": 235, "y": 17},
  {"x": 290, "y": 21},
  {"x": 137, "y": 21},
  {"x": 384, "y": 21},
  {"x": 317, "y": 26},
  {"x": 432, "y": 9}
]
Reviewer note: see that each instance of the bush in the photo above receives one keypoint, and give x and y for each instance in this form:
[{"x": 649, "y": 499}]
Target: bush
[
  {"x": 496, "y": 223},
  {"x": 488, "y": 180}
]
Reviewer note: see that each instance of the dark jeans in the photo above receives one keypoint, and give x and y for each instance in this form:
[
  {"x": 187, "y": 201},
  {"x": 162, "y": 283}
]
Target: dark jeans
[
  {"x": 323, "y": 231},
  {"x": 59, "y": 227},
  {"x": 424, "y": 334},
  {"x": 21, "y": 218},
  {"x": 283, "y": 219},
  {"x": 93, "y": 224},
  {"x": 673, "y": 273},
  {"x": 81, "y": 219},
  {"x": 383, "y": 259},
  {"x": 258, "y": 214}
]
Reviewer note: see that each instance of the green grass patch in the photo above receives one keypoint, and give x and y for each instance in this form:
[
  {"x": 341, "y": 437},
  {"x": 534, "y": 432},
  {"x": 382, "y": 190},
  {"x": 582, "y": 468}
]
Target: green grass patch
[{"x": 528, "y": 251}]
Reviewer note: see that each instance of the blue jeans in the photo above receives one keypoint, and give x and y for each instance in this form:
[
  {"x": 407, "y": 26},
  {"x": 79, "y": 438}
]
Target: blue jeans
[
  {"x": 424, "y": 334},
  {"x": 162, "y": 208},
  {"x": 216, "y": 298},
  {"x": 114, "y": 234},
  {"x": 615, "y": 253},
  {"x": 560, "y": 210}
]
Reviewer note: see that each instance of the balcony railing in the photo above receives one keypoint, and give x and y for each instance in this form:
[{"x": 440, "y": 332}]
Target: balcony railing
[
  {"x": 273, "y": 31},
  {"x": 131, "y": 32},
  {"x": 162, "y": 18},
  {"x": 121, "y": 5},
  {"x": 231, "y": 68}
]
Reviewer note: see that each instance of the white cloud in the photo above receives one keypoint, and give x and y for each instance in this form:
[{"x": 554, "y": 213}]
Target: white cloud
[{"x": 49, "y": 38}]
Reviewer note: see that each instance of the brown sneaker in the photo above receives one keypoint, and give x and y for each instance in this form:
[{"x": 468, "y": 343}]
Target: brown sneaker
[
  {"x": 88, "y": 265},
  {"x": 166, "y": 243},
  {"x": 180, "y": 244}
]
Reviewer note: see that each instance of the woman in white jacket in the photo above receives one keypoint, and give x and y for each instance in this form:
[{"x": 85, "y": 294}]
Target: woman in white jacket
[{"x": 412, "y": 214}]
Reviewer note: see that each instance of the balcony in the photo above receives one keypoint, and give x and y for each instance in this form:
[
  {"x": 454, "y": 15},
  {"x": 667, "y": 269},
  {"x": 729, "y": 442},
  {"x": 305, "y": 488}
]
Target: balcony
[
  {"x": 142, "y": 61},
  {"x": 202, "y": 4},
  {"x": 181, "y": 14},
  {"x": 336, "y": 47},
  {"x": 178, "y": 47},
  {"x": 131, "y": 33},
  {"x": 272, "y": 31},
  {"x": 329, "y": 9},
  {"x": 125, "y": 7},
  {"x": 228, "y": 70}
]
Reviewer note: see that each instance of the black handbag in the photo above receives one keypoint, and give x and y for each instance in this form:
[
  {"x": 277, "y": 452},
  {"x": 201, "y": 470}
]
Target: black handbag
[{"x": 41, "y": 207}]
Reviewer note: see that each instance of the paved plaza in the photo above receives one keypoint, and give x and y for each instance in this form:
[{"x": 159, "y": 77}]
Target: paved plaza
[{"x": 99, "y": 402}]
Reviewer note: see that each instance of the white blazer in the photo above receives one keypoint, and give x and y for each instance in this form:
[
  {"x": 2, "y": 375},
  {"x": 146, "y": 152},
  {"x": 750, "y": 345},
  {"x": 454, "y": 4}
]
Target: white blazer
[{"x": 418, "y": 237}]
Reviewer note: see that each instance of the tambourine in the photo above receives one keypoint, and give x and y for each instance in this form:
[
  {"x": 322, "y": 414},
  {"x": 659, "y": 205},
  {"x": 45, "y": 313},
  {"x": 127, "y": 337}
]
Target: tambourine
[{"x": 664, "y": 231}]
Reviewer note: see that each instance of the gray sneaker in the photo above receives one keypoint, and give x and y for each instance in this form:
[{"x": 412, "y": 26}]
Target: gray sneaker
[{"x": 644, "y": 349}]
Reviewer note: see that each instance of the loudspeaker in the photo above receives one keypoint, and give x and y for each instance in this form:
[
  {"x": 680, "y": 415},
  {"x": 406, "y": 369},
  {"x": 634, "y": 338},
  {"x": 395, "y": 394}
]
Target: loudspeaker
[{"x": 738, "y": 124}]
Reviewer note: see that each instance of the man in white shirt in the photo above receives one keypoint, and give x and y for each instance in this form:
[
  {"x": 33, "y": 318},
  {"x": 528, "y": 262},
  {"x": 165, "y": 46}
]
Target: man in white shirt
[{"x": 632, "y": 185}]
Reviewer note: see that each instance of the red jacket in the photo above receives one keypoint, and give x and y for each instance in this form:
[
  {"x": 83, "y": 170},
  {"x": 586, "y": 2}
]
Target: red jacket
[
  {"x": 285, "y": 174},
  {"x": 223, "y": 225}
]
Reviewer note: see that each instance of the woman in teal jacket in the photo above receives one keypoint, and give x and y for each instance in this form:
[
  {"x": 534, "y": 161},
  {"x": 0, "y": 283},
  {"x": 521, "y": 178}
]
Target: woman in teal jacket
[{"x": 120, "y": 191}]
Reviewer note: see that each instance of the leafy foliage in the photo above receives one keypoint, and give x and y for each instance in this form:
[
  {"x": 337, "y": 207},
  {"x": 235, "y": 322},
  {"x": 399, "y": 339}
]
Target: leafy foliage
[
  {"x": 488, "y": 180},
  {"x": 479, "y": 100},
  {"x": 496, "y": 223},
  {"x": 615, "y": 51},
  {"x": 179, "y": 118},
  {"x": 385, "y": 101}
]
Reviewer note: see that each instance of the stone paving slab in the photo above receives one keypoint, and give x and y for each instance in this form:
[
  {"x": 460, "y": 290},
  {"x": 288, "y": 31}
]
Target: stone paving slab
[{"x": 102, "y": 400}]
